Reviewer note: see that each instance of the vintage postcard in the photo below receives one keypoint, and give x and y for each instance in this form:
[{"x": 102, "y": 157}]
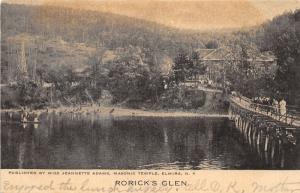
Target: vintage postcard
[{"x": 150, "y": 96}]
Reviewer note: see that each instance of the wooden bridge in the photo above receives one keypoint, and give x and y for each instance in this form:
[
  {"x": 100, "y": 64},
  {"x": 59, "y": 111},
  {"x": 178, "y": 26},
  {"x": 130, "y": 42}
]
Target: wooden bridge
[
  {"x": 270, "y": 135},
  {"x": 291, "y": 117}
]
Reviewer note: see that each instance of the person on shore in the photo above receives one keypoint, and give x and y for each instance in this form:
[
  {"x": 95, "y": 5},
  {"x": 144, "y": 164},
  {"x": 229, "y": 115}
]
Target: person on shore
[
  {"x": 24, "y": 116},
  {"x": 10, "y": 114},
  {"x": 36, "y": 117}
]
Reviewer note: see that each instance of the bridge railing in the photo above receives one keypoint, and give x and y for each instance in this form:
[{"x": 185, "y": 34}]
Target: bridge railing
[{"x": 291, "y": 117}]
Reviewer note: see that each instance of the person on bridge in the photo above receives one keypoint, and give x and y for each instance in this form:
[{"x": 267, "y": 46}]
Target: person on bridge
[
  {"x": 165, "y": 85},
  {"x": 282, "y": 106},
  {"x": 276, "y": 107}
]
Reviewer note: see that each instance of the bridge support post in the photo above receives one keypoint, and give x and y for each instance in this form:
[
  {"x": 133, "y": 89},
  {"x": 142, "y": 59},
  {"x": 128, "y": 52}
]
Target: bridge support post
[
  {"x": 258, "y": 142},
  {"x": 264, "y": 135},
  {"x": 249, "y": 133}
]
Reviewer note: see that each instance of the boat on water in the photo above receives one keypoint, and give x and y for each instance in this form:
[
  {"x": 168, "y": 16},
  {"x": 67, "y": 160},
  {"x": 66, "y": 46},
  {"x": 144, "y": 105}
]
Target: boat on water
[
  {"x": 34, "y": 121},
  {"x": 23, "y": 122},
  {"x": 30, "y": 122}
]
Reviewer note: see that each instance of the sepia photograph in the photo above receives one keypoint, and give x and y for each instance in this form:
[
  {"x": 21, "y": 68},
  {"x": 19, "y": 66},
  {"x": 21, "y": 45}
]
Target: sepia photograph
[{"x": 150, "y": 85}]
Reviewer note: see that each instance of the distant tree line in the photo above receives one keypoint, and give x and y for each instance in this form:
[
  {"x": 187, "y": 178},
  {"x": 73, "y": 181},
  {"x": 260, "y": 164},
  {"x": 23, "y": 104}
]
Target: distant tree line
[{"x": 95, "y": 28}]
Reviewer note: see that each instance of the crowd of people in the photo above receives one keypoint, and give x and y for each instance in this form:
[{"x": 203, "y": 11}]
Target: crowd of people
[
  {"x": 278, "y": 107},
  {"x": 27, "y": 115}
]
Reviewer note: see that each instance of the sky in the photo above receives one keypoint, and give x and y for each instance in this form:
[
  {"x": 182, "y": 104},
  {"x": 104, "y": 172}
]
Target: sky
[{"x": 192, "y": 14}]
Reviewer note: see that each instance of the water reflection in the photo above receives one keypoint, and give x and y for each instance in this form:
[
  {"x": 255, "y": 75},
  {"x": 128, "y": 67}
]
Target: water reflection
[{"x": 91, "y": 140}]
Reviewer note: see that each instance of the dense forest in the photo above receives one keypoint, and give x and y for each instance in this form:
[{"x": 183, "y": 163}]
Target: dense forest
[
  {"x": 95, "y": 28},
  {"x": 79, "y": 54},
  {"x": 281, "y": 37}
]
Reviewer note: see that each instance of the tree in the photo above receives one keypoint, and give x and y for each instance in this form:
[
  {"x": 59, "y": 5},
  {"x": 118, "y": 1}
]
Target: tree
[
  {"x": 212, "y": 44},
  {"x": 242, "y": 71},
  {"x": 132, "y": 80},
  {"x": 181, "y": 64},
  {"x": 198, "y": 66},
  {"x": 282, "y": 36},
  {"x": 31, "y": 94}
]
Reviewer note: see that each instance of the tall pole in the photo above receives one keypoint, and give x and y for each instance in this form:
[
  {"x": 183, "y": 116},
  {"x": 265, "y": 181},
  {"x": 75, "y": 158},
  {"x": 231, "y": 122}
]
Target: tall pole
[
  {"x": 22, "y": 66},
  {"x": 10, "y": 64},
  {"x": 51, "y": 97},
  {"x": 34, "y": 67},
  {"x": 224, "y": 76}
]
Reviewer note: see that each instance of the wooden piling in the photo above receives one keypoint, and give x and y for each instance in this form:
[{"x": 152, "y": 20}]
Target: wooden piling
[
  {"x": 258, "y": 142},
  {"x": 274, "y": 150},
  {"x": 250, "y": 133},
  {"x": 262, "y": 134}
]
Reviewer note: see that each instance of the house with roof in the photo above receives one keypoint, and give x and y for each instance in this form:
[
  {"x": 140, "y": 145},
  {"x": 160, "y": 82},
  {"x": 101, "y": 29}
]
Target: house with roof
[{"x": 214, "y": 61}]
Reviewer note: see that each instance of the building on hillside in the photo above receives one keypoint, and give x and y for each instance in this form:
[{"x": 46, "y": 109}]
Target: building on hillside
[
  {"x": 214, "y": 65},
  {"x": 265, "y": 63},
  {"x": 195, "y": 76},
  {"x": 210, "y": 60},
  {"x": 214, "y": 61}
]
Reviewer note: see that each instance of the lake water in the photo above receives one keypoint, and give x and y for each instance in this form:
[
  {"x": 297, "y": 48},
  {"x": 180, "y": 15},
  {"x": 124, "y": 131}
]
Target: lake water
[{"x": 92, "y": 141}]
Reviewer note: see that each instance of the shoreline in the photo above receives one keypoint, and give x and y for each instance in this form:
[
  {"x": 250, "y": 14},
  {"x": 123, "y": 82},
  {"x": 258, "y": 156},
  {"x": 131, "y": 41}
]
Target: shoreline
[{"x": 123, "y": 112}]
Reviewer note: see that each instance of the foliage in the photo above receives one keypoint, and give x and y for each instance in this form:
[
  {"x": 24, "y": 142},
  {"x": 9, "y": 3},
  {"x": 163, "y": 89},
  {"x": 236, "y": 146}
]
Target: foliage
[
  {"x": 95, "y": 29},
  {"x": 135, "y": 75},
  {"x": 212, "y": 44},
  {"x": 243, "y": 72},
  {"x": 282, "y": 36},
  {"x": 132, "y": 80},
  {"x": 187, "y": 66},
  {"x": 31, "y": 95},
  {"x": 181, "y": 63},
  {"x": 198, "y": 67},
  {"x": 180, "y": 97}
]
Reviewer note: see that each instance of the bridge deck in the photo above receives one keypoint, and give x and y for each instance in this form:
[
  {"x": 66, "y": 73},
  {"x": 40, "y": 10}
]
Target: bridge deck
[{"x": 292, "y": 120}]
